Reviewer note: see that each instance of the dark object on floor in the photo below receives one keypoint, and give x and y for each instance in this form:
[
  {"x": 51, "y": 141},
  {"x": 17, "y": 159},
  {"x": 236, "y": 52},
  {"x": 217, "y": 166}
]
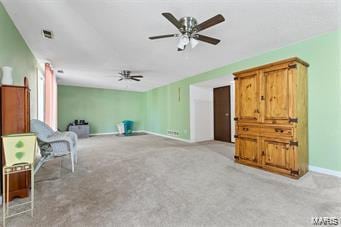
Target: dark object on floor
[
  {"x": 80, "y": 122},
  {"x": 132, "y": 134}
]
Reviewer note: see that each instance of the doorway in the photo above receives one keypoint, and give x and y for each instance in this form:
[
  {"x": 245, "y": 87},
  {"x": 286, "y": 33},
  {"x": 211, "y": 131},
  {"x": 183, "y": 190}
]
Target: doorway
[
  {"x": 202, "y": 109},
  {"x": 222, "y": 113}
]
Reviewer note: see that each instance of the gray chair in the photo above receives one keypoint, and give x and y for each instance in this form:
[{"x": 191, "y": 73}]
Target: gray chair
[{"x": 54, "y": 143}]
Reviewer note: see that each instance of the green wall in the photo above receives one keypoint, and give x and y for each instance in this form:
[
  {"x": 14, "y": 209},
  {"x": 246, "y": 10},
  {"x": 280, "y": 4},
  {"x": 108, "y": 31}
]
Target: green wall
[
  {"x": 102, "y": 108},
  {"x": 164, "y": 111},
  {"x": 15, "y": 53},
  {"x": 160, "y": 109}
]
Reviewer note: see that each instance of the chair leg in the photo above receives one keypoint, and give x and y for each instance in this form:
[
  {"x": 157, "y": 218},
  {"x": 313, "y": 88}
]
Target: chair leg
[
  {"x": 72, "y": 162},
  {"x": 76, "y": 156},
  {"x": 76, "y": 153},
  {"x": 3, "y": 199},
  {"x": 32, "y": 190}
]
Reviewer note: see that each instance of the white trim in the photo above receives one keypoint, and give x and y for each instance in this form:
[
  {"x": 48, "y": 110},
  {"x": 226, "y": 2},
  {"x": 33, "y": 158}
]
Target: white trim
[
  {"x": 324, "y": 171},
  {"x": 109, "y": 133},
  {"x": 166, "y": 136},
  {"x": 103, "y": 133}
]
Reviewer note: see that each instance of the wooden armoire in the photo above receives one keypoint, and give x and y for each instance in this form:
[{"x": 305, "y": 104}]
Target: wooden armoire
[
  {"x": 15, "y": 118},
  {"x": 271, "y": 117}
]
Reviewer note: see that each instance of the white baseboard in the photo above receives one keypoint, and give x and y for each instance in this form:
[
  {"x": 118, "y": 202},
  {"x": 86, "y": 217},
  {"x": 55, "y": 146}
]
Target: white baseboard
[
  {"x": 324, "y": 171},
  {"x": 103, "y": 133},
  {"x": 166, "y": 136},
  {"x": 109, "y": 133}
]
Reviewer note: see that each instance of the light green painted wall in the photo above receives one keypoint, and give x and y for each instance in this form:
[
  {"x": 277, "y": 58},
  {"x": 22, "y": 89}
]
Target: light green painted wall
[
  {"x": 15, "y": 53},
  {"x": 164, "y": 111},
  {"x": 103, "y": 108}
]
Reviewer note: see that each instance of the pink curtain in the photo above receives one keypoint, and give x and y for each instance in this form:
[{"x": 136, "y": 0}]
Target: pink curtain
[{"x": 50, "y": 97}]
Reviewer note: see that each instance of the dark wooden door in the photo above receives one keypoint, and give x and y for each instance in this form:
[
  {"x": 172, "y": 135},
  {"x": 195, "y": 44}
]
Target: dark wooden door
[{"x": 222, "y": 114}]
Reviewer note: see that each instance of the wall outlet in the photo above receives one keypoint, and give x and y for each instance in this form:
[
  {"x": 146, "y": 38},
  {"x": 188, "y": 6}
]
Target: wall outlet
[{"x": 172, "y": 133}]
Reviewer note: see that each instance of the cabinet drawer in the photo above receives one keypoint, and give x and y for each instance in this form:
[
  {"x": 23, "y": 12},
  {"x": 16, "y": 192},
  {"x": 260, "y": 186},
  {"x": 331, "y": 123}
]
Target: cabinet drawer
[
  {"x": 275, "y": 131},
  {"x": 248, "y": 130}
]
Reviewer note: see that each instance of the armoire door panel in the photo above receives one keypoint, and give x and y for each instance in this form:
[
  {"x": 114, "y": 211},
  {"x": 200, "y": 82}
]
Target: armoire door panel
[
  {"x": 277, "y": 154},
  {"x": 248, "y": 149},
  {"x": 247, "y": 92},
  {"x": 276, "y": 93},
  {"x": 13, "y": 120}
]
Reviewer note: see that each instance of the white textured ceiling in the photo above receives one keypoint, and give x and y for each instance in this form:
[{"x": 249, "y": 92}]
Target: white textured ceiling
[{"x": 94, "y": 39}]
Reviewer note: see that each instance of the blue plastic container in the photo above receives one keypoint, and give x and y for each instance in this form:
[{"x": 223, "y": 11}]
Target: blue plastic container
[{"x": 128, "y": 127}]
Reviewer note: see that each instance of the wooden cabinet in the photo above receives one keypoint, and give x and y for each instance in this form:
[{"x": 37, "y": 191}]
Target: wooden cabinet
[
  {"x": 271, "y": 117},
  {"x": 15, "y": 118}
]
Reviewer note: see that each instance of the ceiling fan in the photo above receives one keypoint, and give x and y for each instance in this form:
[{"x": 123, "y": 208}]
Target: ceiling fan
[
  {"x": 189, "y": 28},
  {"x": 125, "y": 75}
]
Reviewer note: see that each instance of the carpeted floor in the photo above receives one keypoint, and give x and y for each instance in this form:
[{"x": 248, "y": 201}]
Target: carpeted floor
[{"x": 153, "y": 181}]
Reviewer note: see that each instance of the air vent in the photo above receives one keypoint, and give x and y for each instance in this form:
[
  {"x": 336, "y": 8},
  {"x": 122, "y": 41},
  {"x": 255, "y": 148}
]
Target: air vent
[{"x": 47, "y": 34}]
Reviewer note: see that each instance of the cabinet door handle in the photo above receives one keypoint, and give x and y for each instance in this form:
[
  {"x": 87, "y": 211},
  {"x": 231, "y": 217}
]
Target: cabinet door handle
[
  {"x": 245, "y": 129},
  {"x": 262, "y": 97},
  {"x": 263, "y": 153},
  {"x": 279, "y": 130}
]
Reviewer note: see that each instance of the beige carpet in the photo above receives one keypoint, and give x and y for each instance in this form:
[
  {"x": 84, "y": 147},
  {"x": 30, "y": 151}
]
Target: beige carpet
[{"x": 152, "y": 181}]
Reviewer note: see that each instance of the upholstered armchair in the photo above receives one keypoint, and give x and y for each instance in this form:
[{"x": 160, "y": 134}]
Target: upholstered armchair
[{"x": 54, "y": 143}]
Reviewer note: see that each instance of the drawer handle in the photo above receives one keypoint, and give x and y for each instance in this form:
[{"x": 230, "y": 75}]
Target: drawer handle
[
  {"x": 245, "y": 129},
  {"x": 279, "y": 130}
]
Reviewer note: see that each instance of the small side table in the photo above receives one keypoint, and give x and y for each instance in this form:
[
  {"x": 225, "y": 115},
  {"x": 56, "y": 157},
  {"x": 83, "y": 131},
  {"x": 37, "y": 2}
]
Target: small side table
[{"x": 82, "y": 131}]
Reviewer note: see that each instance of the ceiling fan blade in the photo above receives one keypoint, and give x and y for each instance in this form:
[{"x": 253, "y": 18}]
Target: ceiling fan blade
[
  {"x": 210, "y": 22},
  {"x": 172, "y": 19},
  {"x": 132, "y": 78},
  {"x": 163, "y": 36},
  {"x": 207, "y": 39},
  {"x": 137, "y": 76}
]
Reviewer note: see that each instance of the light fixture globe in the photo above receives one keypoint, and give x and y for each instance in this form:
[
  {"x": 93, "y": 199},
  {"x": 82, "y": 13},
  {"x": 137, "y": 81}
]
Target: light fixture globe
[
  {"x": 194, "y": 42},
  {"x": 183, "y": 41}
]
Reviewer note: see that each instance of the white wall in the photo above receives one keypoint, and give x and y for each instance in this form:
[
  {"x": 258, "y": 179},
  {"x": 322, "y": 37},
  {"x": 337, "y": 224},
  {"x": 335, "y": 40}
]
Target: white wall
[
  {"x": 201, "y": 113},
  {"x": 202, "y": 109}
]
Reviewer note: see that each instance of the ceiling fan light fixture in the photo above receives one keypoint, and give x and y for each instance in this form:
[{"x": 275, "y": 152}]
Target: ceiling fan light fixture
[
  {"x": 189, "y": 28},
  {"x": 181, "y": 45},
  {"x": 194, "y": 42},
  {"x": 183, "y": 41}
]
